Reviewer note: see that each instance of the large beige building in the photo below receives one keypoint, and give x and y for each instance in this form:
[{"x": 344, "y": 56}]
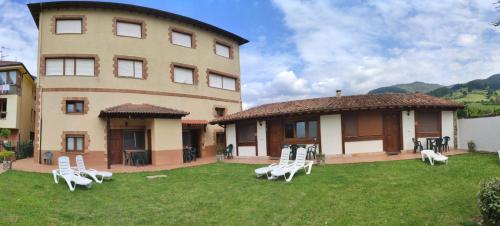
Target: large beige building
[
  {"x": 115, "y": 78},
  {"x": 17, "y": 97}
]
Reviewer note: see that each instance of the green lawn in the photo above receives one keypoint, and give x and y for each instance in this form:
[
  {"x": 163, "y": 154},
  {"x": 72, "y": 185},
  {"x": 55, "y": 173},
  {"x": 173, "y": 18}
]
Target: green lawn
[{"x": 387, "y": 193}]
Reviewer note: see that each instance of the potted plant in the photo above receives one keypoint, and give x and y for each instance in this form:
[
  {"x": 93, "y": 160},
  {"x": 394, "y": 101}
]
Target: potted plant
[
  {"x": 220, "y": 153},
  {"x": 320, "y": 157},
  {"x": 471, "y": 146},
  {"x": 5, "y": 133},
  {"x": 7, "y": 157}
]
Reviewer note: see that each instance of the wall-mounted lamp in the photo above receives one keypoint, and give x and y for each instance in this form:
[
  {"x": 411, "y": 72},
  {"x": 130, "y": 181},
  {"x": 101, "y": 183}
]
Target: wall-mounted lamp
[
  {"x": 407, "y": 113},
  {"x": 260, "y": 123}
]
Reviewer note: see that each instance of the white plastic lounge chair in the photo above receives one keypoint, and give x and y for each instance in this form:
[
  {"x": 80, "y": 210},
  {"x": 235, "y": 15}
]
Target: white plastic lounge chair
[
  {"x": 290, "y": 170},
  {"x": 284, "y": 161},
  {"x": 498, "y": 154},
  {"x": 97, "y": 176},
  {"x": 433, "y": 157},
  {"x": 69, "y": 175}
]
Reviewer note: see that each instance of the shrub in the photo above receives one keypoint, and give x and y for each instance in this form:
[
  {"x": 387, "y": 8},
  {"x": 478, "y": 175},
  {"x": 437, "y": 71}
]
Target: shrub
[
  {"x": 6, "y": 155},
  {"x": 472, "y": 146},
  {"x": 489, "y": 201},
  {"x": 5, "y": 133},
  {"x": 24, "y": 150}
]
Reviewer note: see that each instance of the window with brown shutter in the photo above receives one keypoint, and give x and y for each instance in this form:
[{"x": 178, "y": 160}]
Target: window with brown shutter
[
  {"x": 362, "y": 125},
  {"x": 428, "y": 123}
]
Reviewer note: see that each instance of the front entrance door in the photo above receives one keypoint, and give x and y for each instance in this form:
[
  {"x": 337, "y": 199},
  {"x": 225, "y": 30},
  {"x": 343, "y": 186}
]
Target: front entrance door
[
  {"x": 116, "y": 146},
  {"x": 392, "y": 132},
  {"x": 191, "y": 138},
  {"x": 274, "y": 137}
]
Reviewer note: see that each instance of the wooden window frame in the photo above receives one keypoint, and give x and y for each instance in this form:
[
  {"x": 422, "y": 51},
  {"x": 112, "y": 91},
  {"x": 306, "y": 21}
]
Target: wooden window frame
[
  {"x": 131, "y": 58},
  {"x": 3, "y": 112},
  {"x": 429, "y": 134},
  {"x": 306, "y": 138},
  {"x": 358, "y": 137},
  {"x": 217, "y": 111},
  {"x": 74, "y": 136},
  {"x": 252, "y": 143},
  {"x": 173, "y": 65},
  {"x": 171, "y": 30},
  {"x": 74, "y": 103},
  {"x": 142, "y": 23},
  {"x": 223, "y": 74},
  {"x": 61, "y": 19}
]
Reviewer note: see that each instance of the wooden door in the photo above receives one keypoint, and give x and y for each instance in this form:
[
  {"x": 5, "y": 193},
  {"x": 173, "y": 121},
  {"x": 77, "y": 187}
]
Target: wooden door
[
  {"x": 274, "y": 137},
  {"x": 116, "y": 146},
  {"x": 392, "y": 132}
]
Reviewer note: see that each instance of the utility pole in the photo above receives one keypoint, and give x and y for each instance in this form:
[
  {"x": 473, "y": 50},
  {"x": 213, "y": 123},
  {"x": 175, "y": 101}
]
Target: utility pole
[{"x": 2, "y": 52}]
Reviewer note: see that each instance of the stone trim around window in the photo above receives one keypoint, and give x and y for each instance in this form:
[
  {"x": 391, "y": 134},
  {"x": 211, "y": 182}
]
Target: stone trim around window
[
  {"x": 68, "y": 17},
  {"x": 182, "y": 31},
  {"x": 86, "y": 140},
  {"x": 49, "y": 56},
  {"x": 188, "y": 66},
  {"x": 214, "y": 110},
  {"x": 133, "y": 21},
  {"x": 123, "y": 57},
  {"x": 212, "y": 71},
  {"x": 231, "y": 48},
  {"x": 85, "y": 105}
]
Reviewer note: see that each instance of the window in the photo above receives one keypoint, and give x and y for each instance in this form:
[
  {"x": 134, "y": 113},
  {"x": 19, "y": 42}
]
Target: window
[
  {"x": 428, "y": 123},
  {"x": 182, "y": 39},
  {"x": 222, "y": 50},
  {"x": 129, "y": 29},
  {"x": 219, "y": 111},
  {"x": 302, "y": 129},
  {"x": 8, "y": 77},
  {"x": 74, "y": 143},
  {"x": 69, "y": 67},
  {"x": 222, "y": 82},
  {"x": 183, "y": 75},
  {"x": 130, "y": 68},
  {"x": 246, "y": 133},
  {"x": 68, "y": 26},
  {"x": 3, "y": 108},
  {"x": 74, "y": 106},
  {"x": 133, "y": 140},
  {"x": 365, "y": 125}
]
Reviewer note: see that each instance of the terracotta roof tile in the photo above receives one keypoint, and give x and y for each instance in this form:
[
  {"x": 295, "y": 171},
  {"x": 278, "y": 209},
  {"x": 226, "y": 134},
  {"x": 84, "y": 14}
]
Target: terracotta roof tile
[
  {"x": 344, "y": 103},
  {"x": 141, "y": 110}
]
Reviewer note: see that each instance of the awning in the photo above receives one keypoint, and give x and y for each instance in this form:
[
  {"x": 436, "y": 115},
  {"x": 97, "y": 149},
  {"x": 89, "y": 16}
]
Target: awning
[
  {"x": 141, "y": 111},
  {"x": 194, "y": 122}
]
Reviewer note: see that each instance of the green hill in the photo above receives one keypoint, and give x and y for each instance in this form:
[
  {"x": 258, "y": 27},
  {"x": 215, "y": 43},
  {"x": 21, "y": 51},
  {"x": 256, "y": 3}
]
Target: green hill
[{"x": 407, "y": 88}]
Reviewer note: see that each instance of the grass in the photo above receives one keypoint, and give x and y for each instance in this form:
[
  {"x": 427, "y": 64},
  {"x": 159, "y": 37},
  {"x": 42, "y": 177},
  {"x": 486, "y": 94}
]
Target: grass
[{"x": 387, "y": 193}]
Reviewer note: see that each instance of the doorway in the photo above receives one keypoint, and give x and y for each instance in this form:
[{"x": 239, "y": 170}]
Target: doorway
[
  {"x": 392, "y": 132},
  {"x": 191, "y": 138},
  {"x": 274, "y": 137}
]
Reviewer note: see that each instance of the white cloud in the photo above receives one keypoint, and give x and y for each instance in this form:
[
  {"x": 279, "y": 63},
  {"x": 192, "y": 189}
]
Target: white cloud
[
  {"x": 18, "y": 33},
  {"x": 357, "y": 46}
]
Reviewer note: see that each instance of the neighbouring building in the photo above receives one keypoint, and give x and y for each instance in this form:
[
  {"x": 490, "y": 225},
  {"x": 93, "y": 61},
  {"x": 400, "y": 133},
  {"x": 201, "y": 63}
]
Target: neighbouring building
[
  {"x": 17, "y": 101},
  {"x": 115, "y": 77},
  {"x": 342, "y": 125}
]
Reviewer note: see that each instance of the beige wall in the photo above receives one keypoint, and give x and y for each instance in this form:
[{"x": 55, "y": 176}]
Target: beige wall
[
  {"x": 355, "y": 147},
  {"x": 10, "y": 121},
  {"x": 166, "y": 134},
  {"x": 159, "y": 54}
]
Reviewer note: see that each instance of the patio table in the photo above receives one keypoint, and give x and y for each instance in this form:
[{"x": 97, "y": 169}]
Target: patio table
[
  {"x": 429, "y": 141},
  {"x": 131, "y": 154}
]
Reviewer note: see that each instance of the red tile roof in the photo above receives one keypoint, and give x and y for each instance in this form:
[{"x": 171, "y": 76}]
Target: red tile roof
[
  {"x": 194, "y": 122},
  {"x": 141, "y": 111},
  {"x": 344, "y": 103}
]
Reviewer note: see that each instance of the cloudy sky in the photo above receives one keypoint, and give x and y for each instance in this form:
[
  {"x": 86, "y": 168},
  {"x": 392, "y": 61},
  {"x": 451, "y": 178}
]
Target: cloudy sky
[{"x": 301, "y": 49}]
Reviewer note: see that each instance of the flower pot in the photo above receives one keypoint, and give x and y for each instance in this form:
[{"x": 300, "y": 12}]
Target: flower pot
[
  {"x": 320, "y": 160},
  {"x": 220, "y": 157},
  {"x": 7, "y": 165}
]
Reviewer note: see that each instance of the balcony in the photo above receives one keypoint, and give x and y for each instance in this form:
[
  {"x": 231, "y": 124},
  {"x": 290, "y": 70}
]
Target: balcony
[{"x": 10, "y": 82}]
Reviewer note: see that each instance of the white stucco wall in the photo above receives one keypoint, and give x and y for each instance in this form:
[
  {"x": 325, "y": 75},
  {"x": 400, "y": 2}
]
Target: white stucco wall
[
  {"x": 408, "y": 124},
  {"x": 483, "y": 131},
  {"x": 261, "y": 138},
  {"x": 447, "y": 126},
  {"x": 331, "y": 134},
  {"x": 231, "y": 136},
  {"x": 246, "y": 150},
  {"x": 369, "y": 146}
]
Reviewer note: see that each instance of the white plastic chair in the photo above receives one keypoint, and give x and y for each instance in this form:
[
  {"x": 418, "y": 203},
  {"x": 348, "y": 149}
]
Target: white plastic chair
[
  {"x": 97, "y": 176},
  {"x": 498, "y": 154},
  {"x": 433, "y": 157},
  {"x": 71, "y": 178},
  {"x": 284, "y": 161},
  {"x": 290, "y": 170}
]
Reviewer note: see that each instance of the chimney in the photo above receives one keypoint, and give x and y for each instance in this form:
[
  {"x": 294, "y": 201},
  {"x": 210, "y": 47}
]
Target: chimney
[{"x": 339, "y": 93}]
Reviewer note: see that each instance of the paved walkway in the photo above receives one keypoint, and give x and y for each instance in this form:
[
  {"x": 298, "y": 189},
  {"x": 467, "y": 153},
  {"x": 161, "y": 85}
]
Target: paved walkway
[
  {"x": 30, "y": 166},
  {"x": 344, "y": 159}
]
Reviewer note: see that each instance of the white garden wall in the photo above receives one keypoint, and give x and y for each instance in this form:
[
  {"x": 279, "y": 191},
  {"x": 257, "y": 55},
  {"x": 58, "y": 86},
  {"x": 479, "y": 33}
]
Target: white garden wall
[
  {"x": 246, "y": 151},
  {"x": 485, "y": 132}
]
